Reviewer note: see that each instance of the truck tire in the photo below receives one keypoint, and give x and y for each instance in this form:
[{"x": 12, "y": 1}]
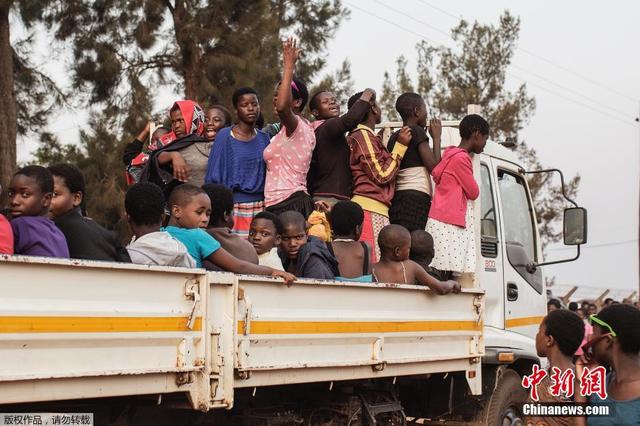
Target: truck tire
[{"x": 505, "y": 406}]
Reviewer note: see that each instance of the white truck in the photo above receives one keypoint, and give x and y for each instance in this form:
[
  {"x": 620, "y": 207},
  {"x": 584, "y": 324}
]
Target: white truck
[{"x": 160, "y": 345}]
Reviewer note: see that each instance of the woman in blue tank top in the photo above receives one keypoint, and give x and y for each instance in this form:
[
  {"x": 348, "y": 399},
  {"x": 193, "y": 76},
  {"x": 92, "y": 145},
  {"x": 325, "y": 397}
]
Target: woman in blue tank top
[{"x": 615, "y": 345}]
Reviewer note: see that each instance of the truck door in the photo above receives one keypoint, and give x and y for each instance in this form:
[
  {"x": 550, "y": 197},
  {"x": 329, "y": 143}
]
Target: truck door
[
  {"x": 490, "y": 268},
  {"x": 524, "y": 294}
]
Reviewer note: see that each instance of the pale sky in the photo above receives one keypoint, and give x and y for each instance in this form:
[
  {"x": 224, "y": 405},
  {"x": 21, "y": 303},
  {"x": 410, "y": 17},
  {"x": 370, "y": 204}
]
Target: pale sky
[{"x": 580, "y": 61}]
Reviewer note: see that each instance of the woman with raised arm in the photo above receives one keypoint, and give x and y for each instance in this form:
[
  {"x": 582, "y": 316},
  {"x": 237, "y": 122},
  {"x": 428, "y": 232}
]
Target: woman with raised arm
[{"x": 288, "y": 157}]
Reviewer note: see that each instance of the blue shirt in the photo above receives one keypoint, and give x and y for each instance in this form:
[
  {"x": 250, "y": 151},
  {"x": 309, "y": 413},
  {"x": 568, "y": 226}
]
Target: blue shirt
[
  {"x": 239, "y": 165},
  {"x": 620, "y": 412},
  {"x": 198, "y": 242}
]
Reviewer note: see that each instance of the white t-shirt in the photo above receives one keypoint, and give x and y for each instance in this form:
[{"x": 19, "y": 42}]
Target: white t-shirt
[
  {"x": 159, "y": 248},
  {"x": 271, "y": 259}
]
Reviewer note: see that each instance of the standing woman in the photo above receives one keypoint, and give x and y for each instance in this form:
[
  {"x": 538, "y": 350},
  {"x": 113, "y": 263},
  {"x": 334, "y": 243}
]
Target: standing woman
[
  {"x": 288, "y": 157},
  {"x": 236, "y": 160},
  {"x": 451, "y": 214}
]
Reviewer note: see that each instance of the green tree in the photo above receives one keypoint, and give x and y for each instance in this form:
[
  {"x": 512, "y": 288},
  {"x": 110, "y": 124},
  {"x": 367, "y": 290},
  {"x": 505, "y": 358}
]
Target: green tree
[
  {"x": 103, "y": 172},
  {"x": 474, "y": 72},
  {"x": 206, "y": 48},
  {"x": 27, "y": 95}
]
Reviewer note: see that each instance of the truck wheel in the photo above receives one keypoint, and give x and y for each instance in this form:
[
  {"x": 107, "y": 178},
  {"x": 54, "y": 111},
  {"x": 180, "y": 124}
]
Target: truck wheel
[{"x": 505, "y": 406}]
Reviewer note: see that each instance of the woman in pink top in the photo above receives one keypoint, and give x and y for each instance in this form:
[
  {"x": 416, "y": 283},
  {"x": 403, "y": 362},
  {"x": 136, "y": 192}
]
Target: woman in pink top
[
  {"x": 451, "y": 215},
  {"x": 288, "y": 156}
]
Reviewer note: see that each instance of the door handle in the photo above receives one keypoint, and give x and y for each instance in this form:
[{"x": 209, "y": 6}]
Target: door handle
[{"x": 512, "y": 292}]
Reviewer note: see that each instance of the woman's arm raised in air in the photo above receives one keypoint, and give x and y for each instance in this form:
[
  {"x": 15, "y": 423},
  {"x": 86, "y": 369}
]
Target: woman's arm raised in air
[{"x": 284, "y": 103}]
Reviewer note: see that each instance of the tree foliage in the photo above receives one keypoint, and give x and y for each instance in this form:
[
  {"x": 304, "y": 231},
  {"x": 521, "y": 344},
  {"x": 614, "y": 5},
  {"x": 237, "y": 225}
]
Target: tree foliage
[
  {"x": 27, "y": 94},
  {"x": 204, "y": 48},
  {"x": 98, "y": 157},
  {"x": 474, "y": 72}
]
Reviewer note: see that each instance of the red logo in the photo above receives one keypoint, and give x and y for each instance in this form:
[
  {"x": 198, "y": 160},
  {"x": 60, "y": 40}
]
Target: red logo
[
  {"x": 592, "y": 381},
  {"x": 533, "y": 380}
]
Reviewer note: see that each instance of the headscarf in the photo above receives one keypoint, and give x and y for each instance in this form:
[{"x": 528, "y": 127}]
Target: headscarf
[{"x": 193, "y": 116}]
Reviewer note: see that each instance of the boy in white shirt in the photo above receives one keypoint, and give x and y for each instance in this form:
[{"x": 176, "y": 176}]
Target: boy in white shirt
[{"x": 264, "y": 235}]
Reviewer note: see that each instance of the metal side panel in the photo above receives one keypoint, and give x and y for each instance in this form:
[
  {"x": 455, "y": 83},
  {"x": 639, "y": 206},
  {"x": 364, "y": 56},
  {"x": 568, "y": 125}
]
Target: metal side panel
[
  {"x": 324, "y": 331},
  {"x": 79, "y": 329}
]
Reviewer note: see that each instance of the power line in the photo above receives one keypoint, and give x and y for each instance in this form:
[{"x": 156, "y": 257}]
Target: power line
[
  {"x": 422, "y": 36},
  {"x": 568, "y": 89},
  {"x": 560, "y": 95},
  {"x": 542, "y": 58}
]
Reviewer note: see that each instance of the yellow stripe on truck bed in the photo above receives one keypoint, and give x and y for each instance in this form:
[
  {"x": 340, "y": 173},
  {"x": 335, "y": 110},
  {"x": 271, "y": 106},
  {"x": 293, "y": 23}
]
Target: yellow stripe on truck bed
[
  {"x": 60, "y": 324},
  {"x": 331, "y": 327}
]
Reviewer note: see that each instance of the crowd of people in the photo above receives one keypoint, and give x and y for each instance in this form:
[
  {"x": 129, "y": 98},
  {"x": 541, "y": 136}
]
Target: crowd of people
[
  {"x": 239, "y": 195},
  {"x": 228, "y": 192}
]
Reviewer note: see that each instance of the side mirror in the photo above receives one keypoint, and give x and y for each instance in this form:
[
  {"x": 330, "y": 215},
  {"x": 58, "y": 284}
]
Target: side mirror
[{"x": 575, "y": 226}]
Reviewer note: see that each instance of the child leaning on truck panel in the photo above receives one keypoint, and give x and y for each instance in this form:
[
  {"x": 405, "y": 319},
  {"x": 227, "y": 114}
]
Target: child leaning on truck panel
[
  {"x": 352, "y": 255},
  {"x": 34, "y": 234},
  {"x": 422, "y": 252},
  {"x": 144, "y": 207},
  {"x": 303, "y": 255},
  {"x": 396, "y": 267},
  {"x": 264, "y": 235},
  {"x": 451, "y": 215},
  {"x": 190, "y": 210}
]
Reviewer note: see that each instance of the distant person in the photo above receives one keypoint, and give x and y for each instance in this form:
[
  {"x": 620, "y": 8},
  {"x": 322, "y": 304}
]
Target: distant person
[
  {"x": 144, "y": 207},
  {"x": 264, "y": 235},
  {"x": 573, "y": 307},
  {"x": 34, "y": 234},
  {"x": 615, "y": 345},
  {"x": 374, "y": 170},
  {"x": 6, "y": 234},
  {"x": 236, "y": 160},
  {"x": 329, "y": 179},
  {"x": 396, "y": 267},
  {"x": 217, "y": 117},
  {"x": 593, "y": 309},
  {"x": 553, "y": 304},
  {"x": 190, "y": 210},
  {"x": 288, "y": 156},
  {"x": 302, "y": 255},
  {"x": 136, "y": 155},
  {"x": 451, "y": 218},
  {"x": 85, "y": 238},
  {"x": 558, "y": 338},
  {"x": 412, "y": 198},
  {"x": 354, "y": 263},
  {"x": 221, "y": 223}
]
